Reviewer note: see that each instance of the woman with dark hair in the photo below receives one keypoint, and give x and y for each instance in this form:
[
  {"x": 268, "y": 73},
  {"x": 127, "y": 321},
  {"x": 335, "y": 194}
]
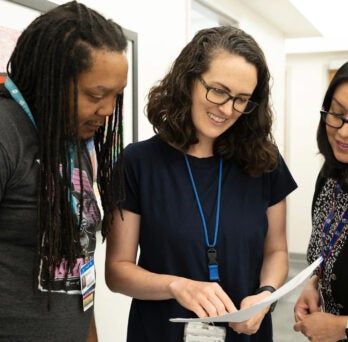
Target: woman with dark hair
[
  {"x": 60, "y": 134},
  {"x": 205, "y": 197},
  {"x": 321, "y": 312}
]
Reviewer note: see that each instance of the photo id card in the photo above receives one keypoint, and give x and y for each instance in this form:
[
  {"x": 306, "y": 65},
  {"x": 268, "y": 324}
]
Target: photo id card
[
  {"x": 203, "y": 332},
  {"x": 87, "y": 279}
]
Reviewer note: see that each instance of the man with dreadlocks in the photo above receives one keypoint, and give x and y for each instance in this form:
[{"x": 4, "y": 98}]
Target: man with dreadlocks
[{"x": 60, "y": 117}]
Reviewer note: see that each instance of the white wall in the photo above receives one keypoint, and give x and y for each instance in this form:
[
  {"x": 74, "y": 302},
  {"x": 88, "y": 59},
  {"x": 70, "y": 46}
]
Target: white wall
[
  {"x": 111, "y": 309},
  {"x": 307, "y": 80}
]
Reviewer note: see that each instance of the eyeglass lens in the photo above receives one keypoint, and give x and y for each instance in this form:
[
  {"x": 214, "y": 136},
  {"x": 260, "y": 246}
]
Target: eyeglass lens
[
  {"x": 334, "y": 120},
  {"x": 221, "y": 97}
]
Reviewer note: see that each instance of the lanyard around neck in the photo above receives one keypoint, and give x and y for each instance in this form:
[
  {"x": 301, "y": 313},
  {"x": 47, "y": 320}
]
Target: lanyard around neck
[
  {"x": 211, "y": 251},
  {"x": 18, "y": 97},
  {"x": 338, "y": 231}
]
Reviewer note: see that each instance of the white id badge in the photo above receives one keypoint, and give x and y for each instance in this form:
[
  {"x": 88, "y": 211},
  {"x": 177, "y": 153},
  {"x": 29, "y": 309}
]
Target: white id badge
[
  {"x": 203, "y": 332},
  {"x": 87, "y": 278}
]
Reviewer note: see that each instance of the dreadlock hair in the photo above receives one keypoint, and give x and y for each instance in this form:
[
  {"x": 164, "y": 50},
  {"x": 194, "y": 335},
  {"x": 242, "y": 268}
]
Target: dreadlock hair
[
  {"x": 249, "y": 141},
  {"x": 50, "y": 54}
]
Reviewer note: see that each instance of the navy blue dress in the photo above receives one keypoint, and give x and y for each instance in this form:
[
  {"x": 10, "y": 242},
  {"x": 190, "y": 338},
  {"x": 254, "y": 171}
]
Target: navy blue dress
[{"x": 172, "y": 239}]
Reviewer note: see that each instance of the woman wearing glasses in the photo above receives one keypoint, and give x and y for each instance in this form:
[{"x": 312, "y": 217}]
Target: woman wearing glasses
[
  {"x": 205, "y": 197},
  {"x": 321, "y": 312}
]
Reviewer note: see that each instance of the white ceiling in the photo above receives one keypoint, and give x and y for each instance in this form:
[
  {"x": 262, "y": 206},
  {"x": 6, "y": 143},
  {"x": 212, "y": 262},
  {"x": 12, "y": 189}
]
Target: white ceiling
[
  {"x": 307, "y": 25},
  {"x": 285, "y": 16}
]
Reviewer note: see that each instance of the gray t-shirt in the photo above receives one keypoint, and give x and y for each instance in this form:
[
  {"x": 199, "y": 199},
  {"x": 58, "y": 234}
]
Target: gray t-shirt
[{"x": 23, "y": 311}]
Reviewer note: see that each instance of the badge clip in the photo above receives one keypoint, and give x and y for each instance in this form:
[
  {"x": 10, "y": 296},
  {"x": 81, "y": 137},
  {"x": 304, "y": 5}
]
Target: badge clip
[{"x": 213, "y": 265}]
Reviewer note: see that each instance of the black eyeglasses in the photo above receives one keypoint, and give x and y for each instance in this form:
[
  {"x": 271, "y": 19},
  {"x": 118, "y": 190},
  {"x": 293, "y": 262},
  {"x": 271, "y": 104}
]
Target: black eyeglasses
[
  {"x": 220, "y": 97},
  {"x": 333, "y": 120}
]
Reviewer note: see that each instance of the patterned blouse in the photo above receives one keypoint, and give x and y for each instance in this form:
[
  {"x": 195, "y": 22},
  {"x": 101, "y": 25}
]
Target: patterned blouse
[{"x": 334, "y": 274}]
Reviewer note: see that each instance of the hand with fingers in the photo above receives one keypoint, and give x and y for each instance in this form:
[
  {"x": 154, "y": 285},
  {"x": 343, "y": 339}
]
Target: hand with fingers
[
  {"x": 252, "y": 325},
  {"x": 309, "y": 300},
  {"x": 205, "y": 299},
  {"x": 322, "y": 327}
]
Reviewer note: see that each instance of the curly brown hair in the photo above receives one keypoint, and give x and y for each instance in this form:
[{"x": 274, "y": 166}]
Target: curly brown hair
[{"x": 249, "y": 141}]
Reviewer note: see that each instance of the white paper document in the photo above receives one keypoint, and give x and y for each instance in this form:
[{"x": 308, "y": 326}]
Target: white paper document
[{"x": 245, "y": 314}]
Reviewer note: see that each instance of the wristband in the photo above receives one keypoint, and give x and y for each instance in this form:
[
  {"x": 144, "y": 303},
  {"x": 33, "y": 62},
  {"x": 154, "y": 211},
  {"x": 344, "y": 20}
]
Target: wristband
[{"x": 270, "y": 289}]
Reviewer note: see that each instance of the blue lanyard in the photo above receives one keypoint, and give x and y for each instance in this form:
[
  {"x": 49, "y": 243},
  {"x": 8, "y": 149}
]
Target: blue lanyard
[
  {"x": 18, "y": 97},
  {"x": 90, "y": 149},
  {"x": 211, "y": 250},
  {"x": 325, "y": 253}
]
